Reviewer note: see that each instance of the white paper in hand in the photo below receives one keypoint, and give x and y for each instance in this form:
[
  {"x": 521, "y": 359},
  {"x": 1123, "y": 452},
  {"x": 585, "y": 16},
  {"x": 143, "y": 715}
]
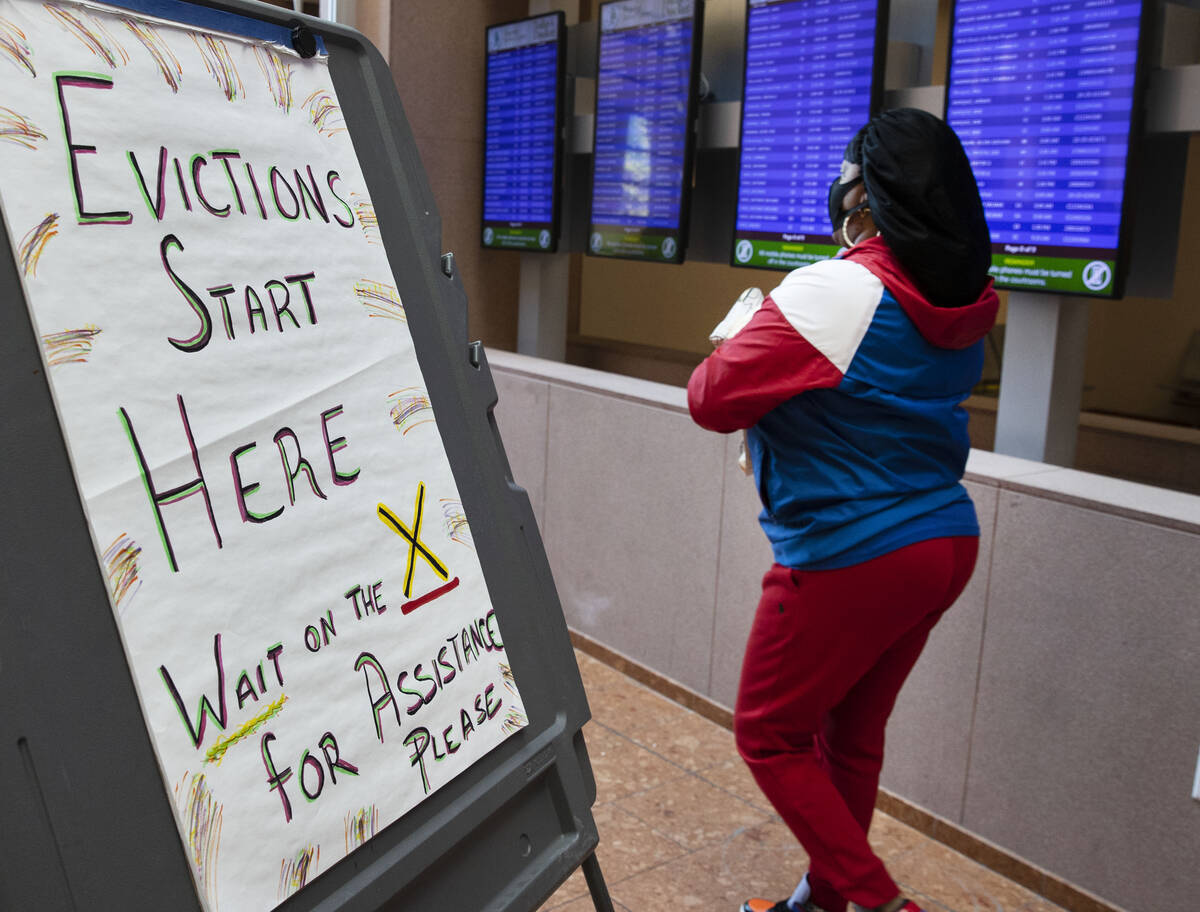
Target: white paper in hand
[{"x": 745, "y": 307}]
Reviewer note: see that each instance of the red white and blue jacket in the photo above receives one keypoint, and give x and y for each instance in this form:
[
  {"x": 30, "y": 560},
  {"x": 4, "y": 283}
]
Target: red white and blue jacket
[{"x": 850, "y": 383}]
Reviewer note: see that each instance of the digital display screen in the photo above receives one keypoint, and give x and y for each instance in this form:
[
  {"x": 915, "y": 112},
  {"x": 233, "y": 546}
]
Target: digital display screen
[
  {"x": 645, "y": 107},
  {"x": 1042, "y": 97},
  {"x": 522, "y": 134},
  {"x": 810, "y": 83}
]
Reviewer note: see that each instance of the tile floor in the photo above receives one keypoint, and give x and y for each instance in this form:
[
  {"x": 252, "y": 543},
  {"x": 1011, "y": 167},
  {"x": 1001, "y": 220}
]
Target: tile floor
[{"x": 683, "y": 828}]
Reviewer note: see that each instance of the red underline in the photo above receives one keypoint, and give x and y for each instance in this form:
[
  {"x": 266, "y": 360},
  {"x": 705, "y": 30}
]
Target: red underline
[{"x": 409, "y": 607}]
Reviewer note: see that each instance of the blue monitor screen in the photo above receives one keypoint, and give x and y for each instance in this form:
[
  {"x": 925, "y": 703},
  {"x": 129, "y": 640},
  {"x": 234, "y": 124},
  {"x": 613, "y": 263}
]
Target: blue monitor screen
[
  {"x": 644, "y": 114},
  {"x": 811, "y": 76},
  {"x": 521, "y": 143},
  {"x": 1042, "y": 96}
]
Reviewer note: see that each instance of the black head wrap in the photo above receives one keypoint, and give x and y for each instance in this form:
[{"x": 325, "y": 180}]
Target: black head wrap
[{"x": 925, "y": 202}]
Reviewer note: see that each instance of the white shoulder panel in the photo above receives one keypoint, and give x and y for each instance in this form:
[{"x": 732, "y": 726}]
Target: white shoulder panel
[{"x": 831, "y": 303}]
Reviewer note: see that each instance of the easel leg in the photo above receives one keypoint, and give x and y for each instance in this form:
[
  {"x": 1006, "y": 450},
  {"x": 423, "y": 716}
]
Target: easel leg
[{"x": 596, "y": 885}]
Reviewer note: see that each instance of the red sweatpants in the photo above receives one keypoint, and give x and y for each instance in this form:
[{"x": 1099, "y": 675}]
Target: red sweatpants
[{"x": 827, "y": 655}]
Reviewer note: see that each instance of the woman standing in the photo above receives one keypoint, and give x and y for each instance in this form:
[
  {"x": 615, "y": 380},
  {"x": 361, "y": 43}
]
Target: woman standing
[{"x": 848, "y": 378}]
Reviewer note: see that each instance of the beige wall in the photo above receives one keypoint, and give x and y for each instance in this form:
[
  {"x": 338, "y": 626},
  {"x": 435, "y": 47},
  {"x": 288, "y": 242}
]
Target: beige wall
[
  {"x": 1136, "y": 346},
  {"x": 437, "y": 58},
  {"x": 373, "y": 18},
  {"x": 663, "y": 306}
]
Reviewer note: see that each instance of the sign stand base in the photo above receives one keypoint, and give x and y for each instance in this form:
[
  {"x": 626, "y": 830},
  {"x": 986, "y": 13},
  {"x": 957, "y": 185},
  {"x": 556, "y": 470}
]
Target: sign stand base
[{"x": 596, "y": 885}]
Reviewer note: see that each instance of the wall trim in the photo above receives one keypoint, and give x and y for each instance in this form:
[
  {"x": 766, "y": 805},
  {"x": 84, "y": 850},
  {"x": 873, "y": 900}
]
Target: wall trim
[{"x": 1044, "y": 883}]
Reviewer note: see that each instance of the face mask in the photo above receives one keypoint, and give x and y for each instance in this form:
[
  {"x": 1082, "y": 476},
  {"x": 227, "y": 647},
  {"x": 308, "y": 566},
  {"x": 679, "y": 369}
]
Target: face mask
[
  {"x": 845, "y": 214},
  {"x": 850, "y": 178}
]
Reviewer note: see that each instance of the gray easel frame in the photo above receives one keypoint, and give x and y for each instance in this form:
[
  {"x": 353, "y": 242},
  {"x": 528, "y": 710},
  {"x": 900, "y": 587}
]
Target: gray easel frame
[{"x": 85, "y": 822}]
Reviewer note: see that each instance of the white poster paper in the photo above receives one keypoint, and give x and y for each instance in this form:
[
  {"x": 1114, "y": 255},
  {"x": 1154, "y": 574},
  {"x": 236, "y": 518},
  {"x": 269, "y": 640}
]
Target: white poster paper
[{"x": 287, "y": 556}]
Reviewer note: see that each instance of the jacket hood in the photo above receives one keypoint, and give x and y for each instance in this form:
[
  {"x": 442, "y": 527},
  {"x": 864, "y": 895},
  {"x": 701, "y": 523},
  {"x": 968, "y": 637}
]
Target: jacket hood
[
  {"x": 925, "y": 202},
  {"x": 944, "y": 327}
]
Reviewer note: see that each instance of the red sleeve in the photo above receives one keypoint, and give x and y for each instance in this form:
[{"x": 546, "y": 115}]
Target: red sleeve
[{"x": 763, "y": 366}]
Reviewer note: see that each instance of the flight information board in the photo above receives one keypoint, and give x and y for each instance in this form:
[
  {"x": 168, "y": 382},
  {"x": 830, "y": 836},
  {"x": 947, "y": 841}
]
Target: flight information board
[
  {"x": 812, "y": 79},
  {"x": 1043, "y": 95},
  {"x": 645, "y": 108},
  {"x": 522, "y": 144}
]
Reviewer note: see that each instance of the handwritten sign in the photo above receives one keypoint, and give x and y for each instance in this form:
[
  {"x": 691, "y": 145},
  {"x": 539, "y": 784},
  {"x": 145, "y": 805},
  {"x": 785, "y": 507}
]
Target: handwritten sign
[{"x": 289, "y": 563}]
